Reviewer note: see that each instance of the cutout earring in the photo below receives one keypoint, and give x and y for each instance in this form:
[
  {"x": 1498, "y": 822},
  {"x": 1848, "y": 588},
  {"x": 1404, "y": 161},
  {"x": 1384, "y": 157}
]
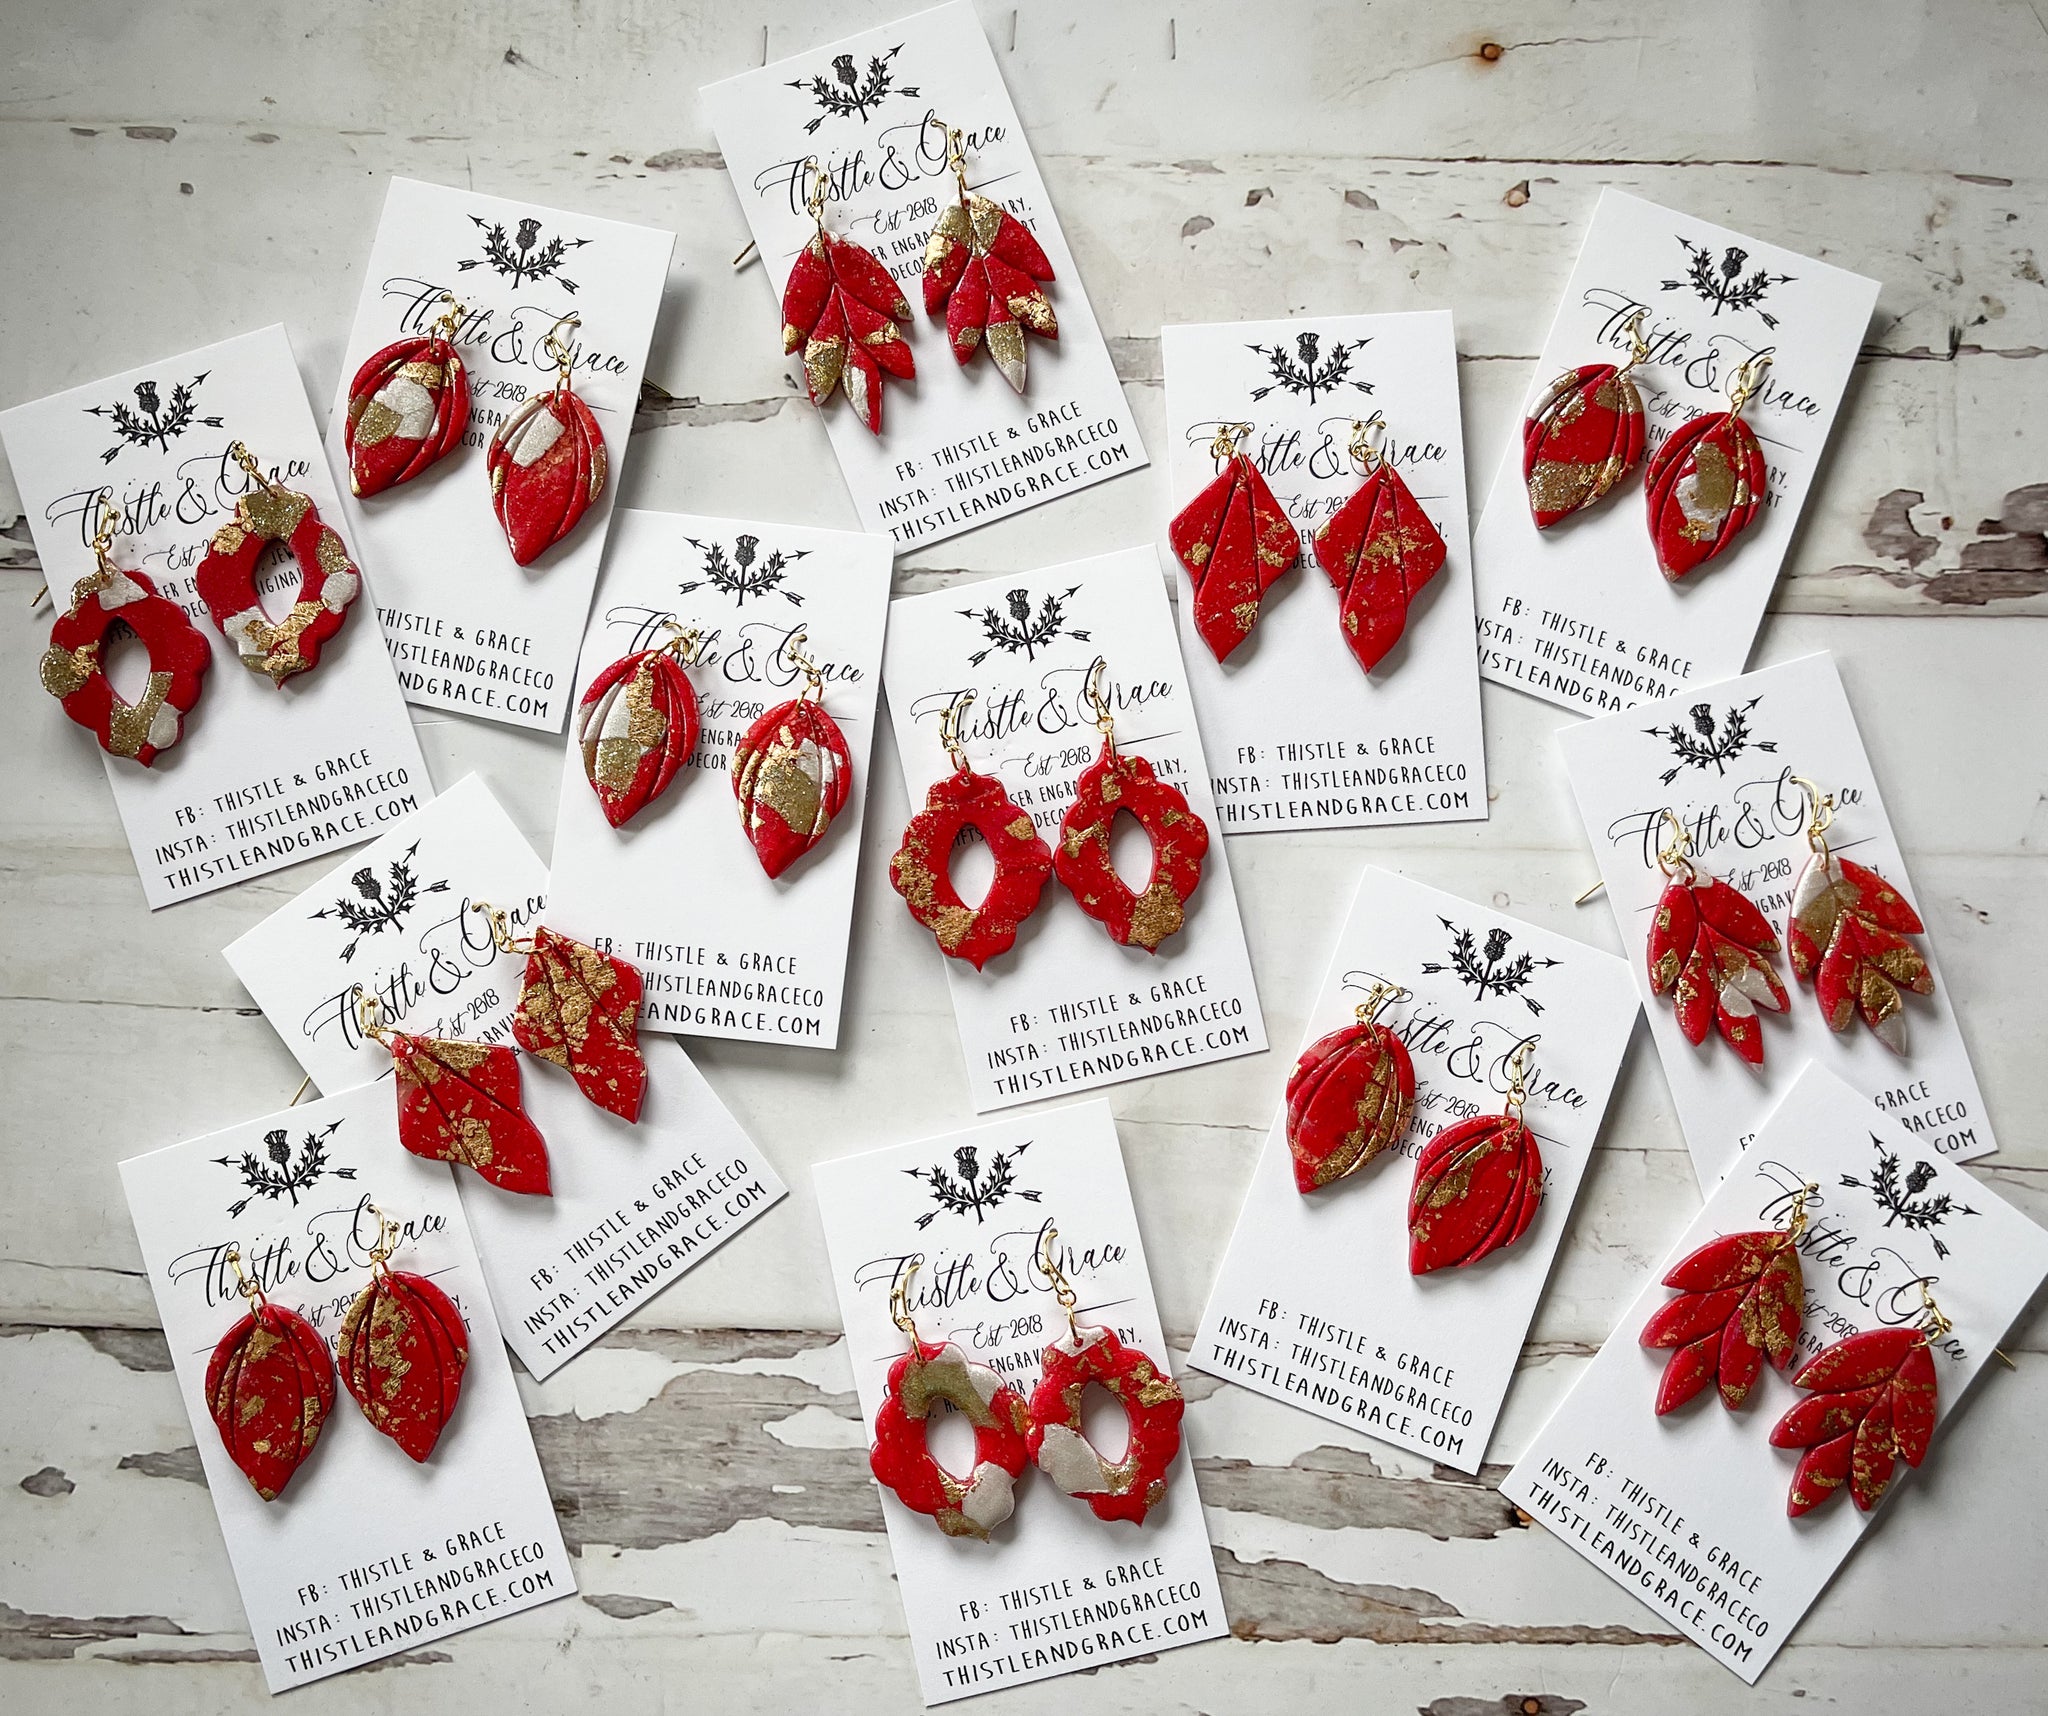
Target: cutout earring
[
  {"x": 547, "y": 462},
  {"x": 1129, "y": 1488},
  {"x": 920, "y": 870},
  {"x": 1115, "y": 782},
  {"x": 902, "y": 1460},
  {"x": 107, "y": 600}
]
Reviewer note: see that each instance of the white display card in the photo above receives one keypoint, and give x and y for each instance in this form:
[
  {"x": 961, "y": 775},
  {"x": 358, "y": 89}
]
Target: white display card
[
  {"x": 1581, "y": 614},
  {"x": 1314, "y": 1304},
  {"x": 364, "y": 1553},
  {"x": 1301, "y": 735},
  {"x": 958, "y": 447},
  {"x": 634, "y": 1206},
  {"x": 1054, "y": 1589},
  {"x": 1067, "y": 1009},
  {"x": 1721, "y": 759},
  {"x": 1687, "y": 1512},
  {"x": 469, "y": 628},
  {"x": 265, "y": 775},
  {"x": 730, "y": 952}
]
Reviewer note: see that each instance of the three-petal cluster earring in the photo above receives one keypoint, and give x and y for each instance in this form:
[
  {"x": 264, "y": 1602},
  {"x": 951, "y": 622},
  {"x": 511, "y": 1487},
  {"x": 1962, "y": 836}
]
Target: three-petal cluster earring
[
  {"x": 107, "y": 601},
  {"x": 226, "y": 580},
  {"x": 983, "y": 268},
  {"x": 841, "y": 309}
]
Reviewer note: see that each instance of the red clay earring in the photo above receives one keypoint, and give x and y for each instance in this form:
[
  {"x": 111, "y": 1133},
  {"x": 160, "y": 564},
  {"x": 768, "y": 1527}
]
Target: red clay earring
[
  {"x": 791, "y": 771},
  {"x": 403, "y": 1347},
  {"x": 1707, "y": 480},
  {"x": 459, "y": 1102},
  {"x": 1872, "y": 1404},
  {"x": 901, "y": 1459},
  {"x": 1379, "y": 549},
  {"x": 269, "y": 1388},
  {"x": 1708, "y": 948},
  {"x": 637, "y": 725},
  {"x": 1847, "y": 933},
  {"x": 547, "y": 461},
  {"x": 1585, "y": 434},
  {"x": 983, "y": 268},
  {"x": 408, "y": 406},
  {"x": 109, "y": 599},
  {"x": 1112, "y": 783},
  {"x": 1129, "y": 1488},
  {"x": 226, "y": 579},
  {"x": 842, "y": 308},
  {"x": 1478, "y": 1184},
  {"x": 1350, "y": 1096},
  {"x": 919, "y": 870},
  {"x": 1235, "y": 540},
  {"x": 1741, "y": 1301},
  {"x": 579, "y": 1009}
]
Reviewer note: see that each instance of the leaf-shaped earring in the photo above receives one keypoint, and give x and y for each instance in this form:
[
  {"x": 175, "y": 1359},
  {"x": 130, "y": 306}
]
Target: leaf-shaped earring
[
  {"x": 637, "y": 725},
  {"x": 1585, "y": 434},
  {"x": 547, "y": 461},
  {"x": 579, "y": 1009},
  {"x": 226, "y": 580},
  {"x": 107, "y": 600},
  {"x": 269, "y": 1388},
  {"x": 459, "y": 1102},
  {"x": 1707, "y": 480},
  {"x": 1127, "y": 1488},
  {"x": 1872, "y": 1404},
  {"x": 1113, "y": 783},
  {"x": 919, "y": 870},
  {"x": 408, "y": 406},
  {"x": 842, "y": 308},
  {"x": 1379, "y": 549},
  {"x": 902, "y": 1460},
  {"x": 791, "y": 770},
  {"x": 403, "y": 1348},
  {"x": 1350, "y": 1096},
  {"x": 1478, "y": 1184},
  {"x": 983, "y": 268},
  {"x": 1235, "y": 540},
  {"x": 1708, "y": 947},
  {"x": 1847, "y": 933},
  {"x": 1741, "y": 1300}
]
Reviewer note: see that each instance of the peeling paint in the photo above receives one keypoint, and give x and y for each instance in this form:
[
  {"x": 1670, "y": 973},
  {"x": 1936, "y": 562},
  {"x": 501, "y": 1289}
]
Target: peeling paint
[
  {"x": 182, "y": 1463},
  {"x": 48, "y": 1482}
]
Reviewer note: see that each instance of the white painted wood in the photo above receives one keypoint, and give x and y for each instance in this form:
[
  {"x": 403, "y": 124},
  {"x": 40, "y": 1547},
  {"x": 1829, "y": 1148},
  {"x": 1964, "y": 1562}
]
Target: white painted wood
[{"x": 1210, "y": 161}]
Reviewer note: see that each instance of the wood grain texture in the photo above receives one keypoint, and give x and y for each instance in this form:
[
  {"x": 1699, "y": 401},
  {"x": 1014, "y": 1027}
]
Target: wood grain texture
[{"x": 180, "y": 172}]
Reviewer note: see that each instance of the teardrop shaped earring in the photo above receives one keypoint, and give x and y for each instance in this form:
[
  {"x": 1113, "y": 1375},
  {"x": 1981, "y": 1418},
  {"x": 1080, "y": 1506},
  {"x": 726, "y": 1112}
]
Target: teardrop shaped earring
[
  {"x": 1478, "y": 1184},
  {"x": 1235, "y": 540},
  {"x": 408, "y": 406},
  {"x": 403, "y": 1348},
  {"x": 1350, "y": 1095},
  {"x": 1585, "y": 434},
  {"x": 791, "y": 770},
  {"x": 637, "y": 724},
  {"x": 1706, "y": 482},
  {"x": 1117, "y": 782},
  {"x": 269, "y": 1387},
  {"x": 1379, "y": 549},
  {"x": 842, "y": 308},
  {"x": 983, "y": 268},
  {"x": 547, "y": 462}
]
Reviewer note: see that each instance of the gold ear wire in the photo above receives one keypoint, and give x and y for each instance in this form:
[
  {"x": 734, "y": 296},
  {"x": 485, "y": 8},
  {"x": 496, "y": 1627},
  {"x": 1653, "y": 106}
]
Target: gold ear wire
[
  {"x": 899, "y": 1299},
  {"x": 1062, "y": 1289},
  {"x": 1380, "y": 995}
]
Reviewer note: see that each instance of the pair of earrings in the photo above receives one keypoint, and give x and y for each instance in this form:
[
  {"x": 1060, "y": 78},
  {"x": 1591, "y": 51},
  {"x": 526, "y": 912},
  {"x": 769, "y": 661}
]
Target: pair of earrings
[
  {"x": 408, "y": 408},
  {"x": 982, "y": 268},
  {"x": 1871, "y": 1395},
  {"x": 1009, "y": 1432},
  {"x": 1350, "y": 1097},
  {"x": 1704, "y": 484},
  {"x": 113, "y": 599},
  {"x": 1378, "y": 549},
  {"x": 1114, "y": 782},
  {"x": 402, "y": 1349},
  {"x": 578, "y": 1009},
  {"x": 791, "y": 770},
  {"x": 1847, "y": 927}
]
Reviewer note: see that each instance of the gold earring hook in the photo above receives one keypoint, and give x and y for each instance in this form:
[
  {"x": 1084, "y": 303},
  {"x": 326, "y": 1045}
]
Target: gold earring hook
[
  {"x": 1363, "y": 453},
  {"x": 1227, "y": 437},
  {"x": 239, "y": 452},
  {"x": 449, "y": 319},
  {"x": 1105, "y": 717},
  {"x": 104, "y": 531},
  {"x": 1820, "y": 815},
  {"x": 1381, "y": 994},
  {"x": 248, "y": 1289},
  {"x": 683, "y": 642},
  {"x": 817, "y": 187},
  {"x": 1062, "y": 1290},
  {"x": 1795, "y": 1223},
  {"x": 502, "y": 937},
  {"x": 563, "y": 357},
  {"x": 899, "y": 1299},
  {"x": 949, "y": 730},
  {"x": 814, "y": 681},
  {"x": 1674, "y": 855},
  {"x": 386, "y": 1242},
  {"x": 1937, "y": 1326},
  {"x": 1749, "y": 378},
  {"x": 1518, "y": 1076},
  {"x": 1638, "y": 347},
  {"x": 370, "y": 1018},
  {"x": 956, "y": 153}
]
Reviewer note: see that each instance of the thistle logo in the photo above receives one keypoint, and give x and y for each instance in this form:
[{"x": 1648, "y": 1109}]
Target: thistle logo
[
  {"x": 1710, "y": 741},
  {"x": 1021, "y": 631},
  {"x": 968, "y": 1190},
  {"x": 1488, "y": 970},
  {"x": 1723, "y": 284},
  {"x": 1309, "y": 374},
  {"x": 521, "y": 256},
  {"x": 852, "y": 93},
  {"x": 379, "y": 905},
  {"x": 745, "y": 574},
  {"x": 1901, "y": 1197},
  {"x": 282, "y": 1173},
  {"x": 153, "y": 423}
]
